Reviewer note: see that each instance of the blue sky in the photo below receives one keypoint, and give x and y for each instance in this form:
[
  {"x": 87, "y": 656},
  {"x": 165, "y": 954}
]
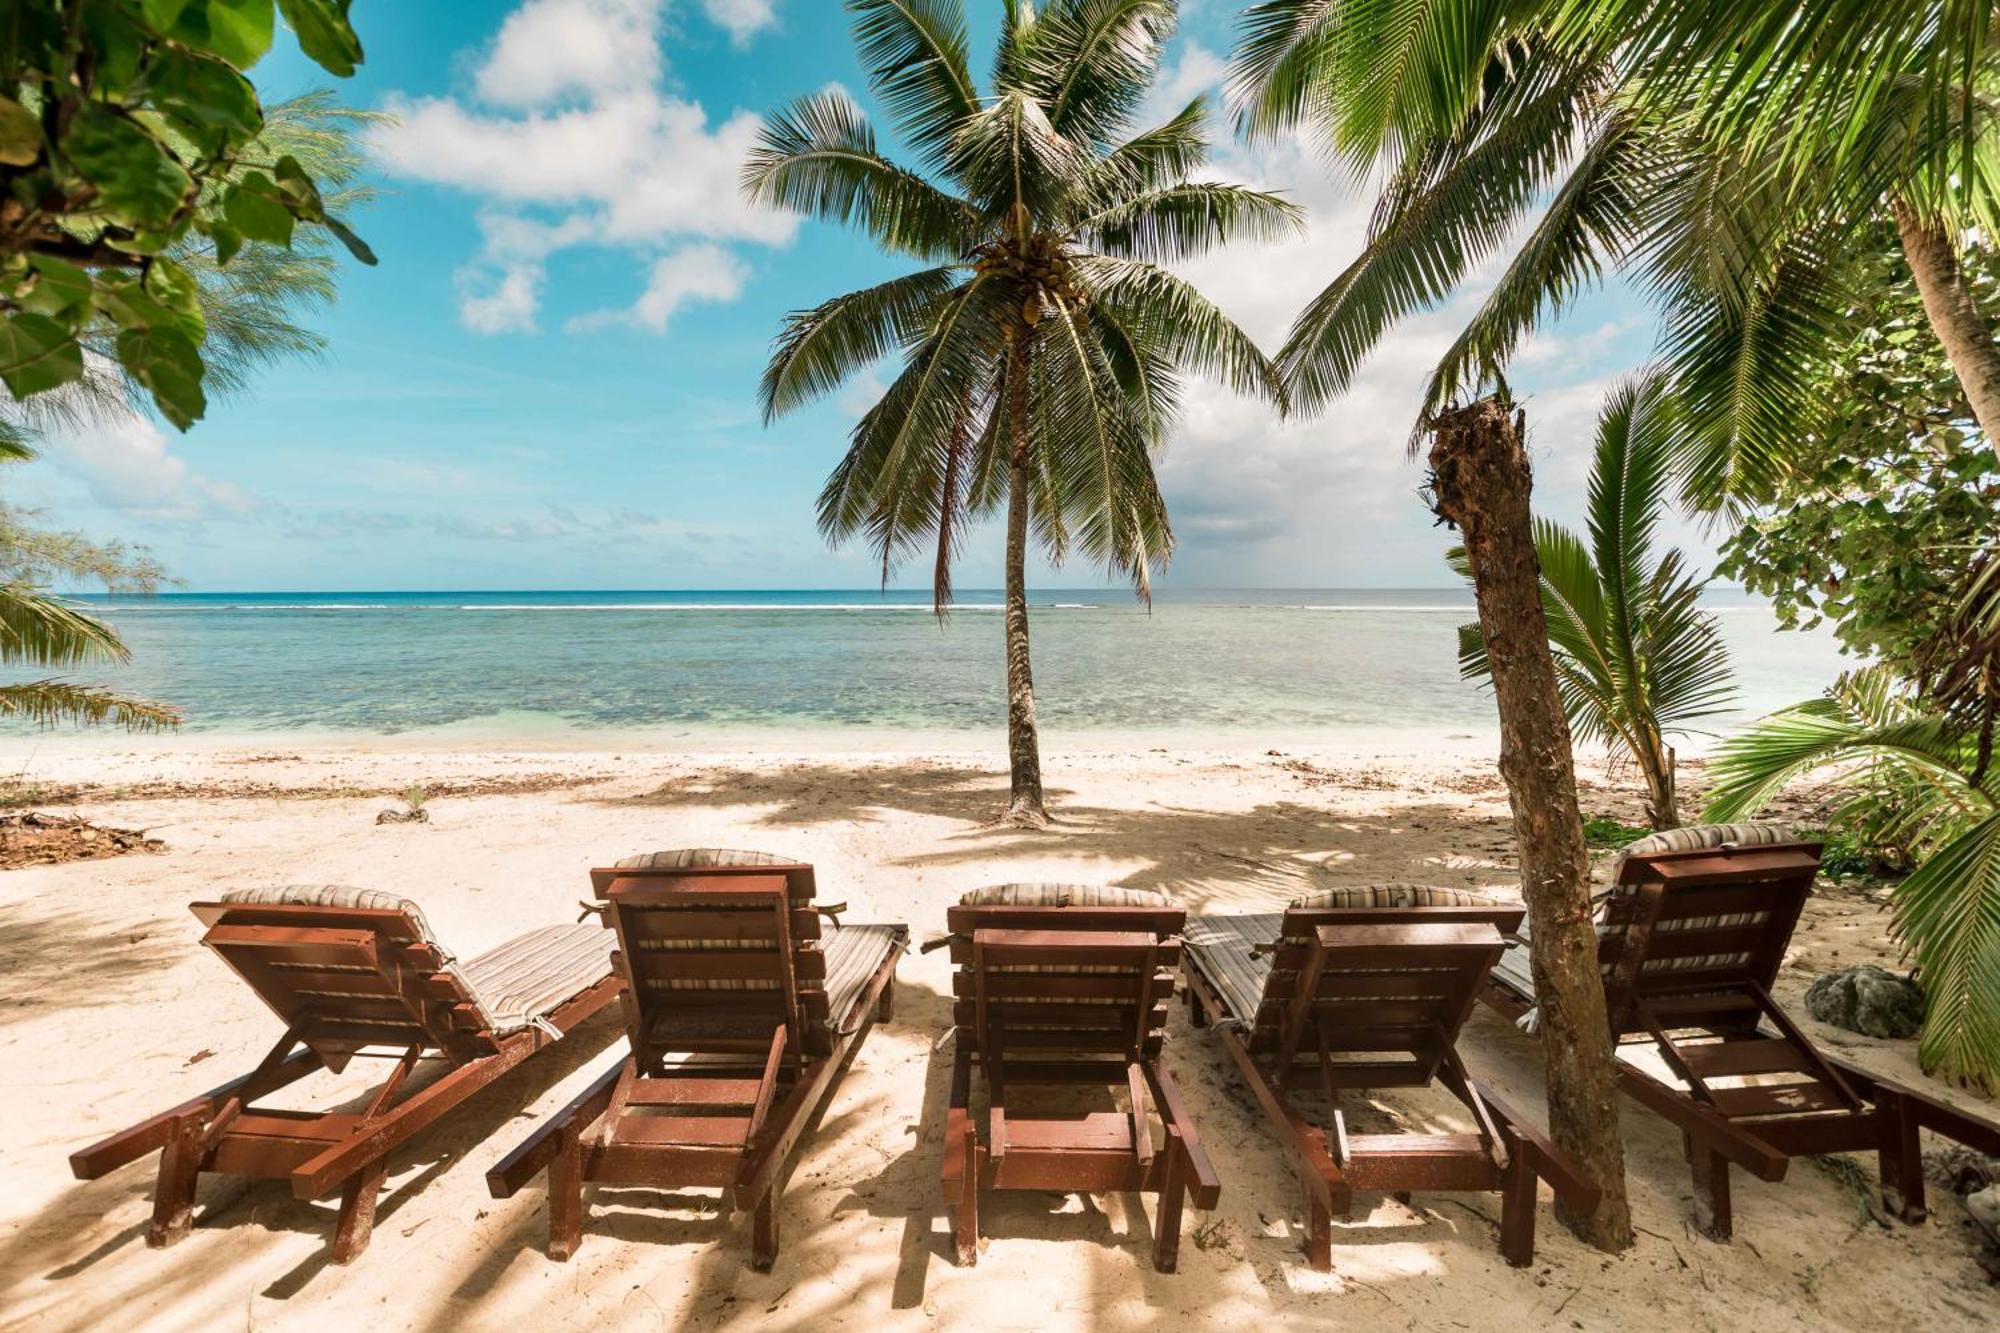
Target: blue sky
[{"x": 550, "y": 379}]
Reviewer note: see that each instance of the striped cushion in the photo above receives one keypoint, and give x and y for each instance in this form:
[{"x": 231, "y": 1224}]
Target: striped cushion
[
  {"x": 1387, "y": 895},
  {"x": 335, "y": 895},
  {"x": 530, "y": 975},
  {"x": 1696, "y": 836},
  {"x": 510, "y": 986},
  {"x": 1062, "y": 895},
  {"x": 697, "y": 858},
  {"x": 852, "y": 955},
  {"x": 1612, "y": 905},
  {"x": 1395, "y": 895},
  {"x": 1225, "y": 948}
]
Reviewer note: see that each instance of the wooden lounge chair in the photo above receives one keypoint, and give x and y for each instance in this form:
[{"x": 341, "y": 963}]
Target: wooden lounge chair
[
  {"x": 1367, "y": 987},
  {"x": 355, "y": 972},
  {"x": 1690, "y": 938},
  {"x": 742, "y": 1014},
  {"x": 1058, "y": 984}
]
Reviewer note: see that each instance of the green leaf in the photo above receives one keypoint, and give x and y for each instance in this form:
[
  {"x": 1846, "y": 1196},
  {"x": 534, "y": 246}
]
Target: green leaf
[
  {"x": 58, "y": 288},
  {"x": 253, "y": 209},
  {"x": 174, "y": 287},
  {"x": 20, "y": 134},
  {"x": 37, "y": 353},
  {"x": 133, "y": 307},
  {"x": 237, "y": 30},
  {"x": 138, "y": 180},
  {"x": 162, "y": 14},
  {"x": 227, "y": 240},
  {"x": 324, "y": 33},
  {"x": 355, "y": 245},
  {"x": 166, "y": 362},
  {"x": 205, "y": 93}
]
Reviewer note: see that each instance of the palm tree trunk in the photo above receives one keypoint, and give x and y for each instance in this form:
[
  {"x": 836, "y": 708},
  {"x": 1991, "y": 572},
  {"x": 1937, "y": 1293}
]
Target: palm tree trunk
[
  {"x": 1656, "y": 762},
  {"x": 1024, "y": 751},
  {"x": 1481, "y": 480},
  {"x": 1957, "y": 321}
]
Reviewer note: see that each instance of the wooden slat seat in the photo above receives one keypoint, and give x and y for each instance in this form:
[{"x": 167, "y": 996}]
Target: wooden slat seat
[
  {"x": 742, "y": 1008},
  {"x": 1370, "y": 986},
  {"x": 350, "y": 972},
  {"x": 1690, "y": 939},
  {"x": 1066, "y": 984}
]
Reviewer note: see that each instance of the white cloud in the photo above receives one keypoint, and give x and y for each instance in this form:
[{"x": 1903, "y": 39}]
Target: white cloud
[
  {"x": 127, "y": 465},
  {"x": 548, "y": 48},
  {"x": 1333, "y": 498},
  {"x": 742, "y": 19},
  {"x": 574, "y": 140},
  {"x": 507, "y": 306},
  {"x": 697, "y": 273}
]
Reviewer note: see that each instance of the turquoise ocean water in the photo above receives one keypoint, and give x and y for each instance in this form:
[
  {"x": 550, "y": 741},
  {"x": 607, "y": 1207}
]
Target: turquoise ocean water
[{"x": 1312, "y": 663}]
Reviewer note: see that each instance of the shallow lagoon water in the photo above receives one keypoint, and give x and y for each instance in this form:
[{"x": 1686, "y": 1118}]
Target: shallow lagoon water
[{"x": 1314, "y": 662}]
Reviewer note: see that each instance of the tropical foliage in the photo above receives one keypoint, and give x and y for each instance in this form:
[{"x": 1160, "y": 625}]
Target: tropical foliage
[
  {"x": 1725, "y": 156},
  {"x": 1636, "y": 657},
  {"x": 1911, "y": 781},
  {"x": 1042, "y": 342},
  {"x": 44, "y": 632},
  {"x": 128, "y": 133},
  {"x": 1890, "y": 495}
]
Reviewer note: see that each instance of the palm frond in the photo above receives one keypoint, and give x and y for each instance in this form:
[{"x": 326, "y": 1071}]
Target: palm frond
[
  {"x": 818, "y": 156},
  {"x": 820, "y": 348},
  {"x": 51, "y": 703},
  {"x": 915, "y": 51},
  {"x": 1090, "y": 62},
  {"x": 1178, "y": 222}
]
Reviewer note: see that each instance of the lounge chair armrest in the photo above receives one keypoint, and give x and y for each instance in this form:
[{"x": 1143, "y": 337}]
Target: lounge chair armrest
[
  {"x": 539, "y": 1149},
  {"x": 936, "y": 942},
  {"x": 1566, "y": 1175}
]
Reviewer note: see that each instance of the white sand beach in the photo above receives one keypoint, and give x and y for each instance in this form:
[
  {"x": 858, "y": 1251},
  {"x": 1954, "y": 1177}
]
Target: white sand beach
[{"x": 113, "y": 1011}]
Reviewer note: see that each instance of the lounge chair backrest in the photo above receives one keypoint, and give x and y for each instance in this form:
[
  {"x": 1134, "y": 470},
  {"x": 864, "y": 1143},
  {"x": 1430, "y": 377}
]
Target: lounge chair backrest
[
  {"x": 347, "y": 968},
  {"x": 1055, "y": 970},
  {"x": 715, "y": 948},
  {"x": 1706, "y": 919},
  {"x": 1363, "y": 905},
  {"x": 1387, "y": 1000}
]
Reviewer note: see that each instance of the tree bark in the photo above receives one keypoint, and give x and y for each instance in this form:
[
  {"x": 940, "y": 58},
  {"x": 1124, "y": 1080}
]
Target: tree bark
[
  {"x": 1024, "y": 752},
  {"x": 1960, "y": 327},
  {"x": 1656, "y": 762},
  {"x": 1481, "y": 478}
]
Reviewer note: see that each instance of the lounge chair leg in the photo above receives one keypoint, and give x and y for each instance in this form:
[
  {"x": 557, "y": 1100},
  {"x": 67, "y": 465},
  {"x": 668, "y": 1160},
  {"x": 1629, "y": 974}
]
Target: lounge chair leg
[
  {"x": 357, "y": 1211},
  {"x": 1167, "y": 1225},
  {"x": 1711, "y": 1193},
  {"x": 886, "y": 1010},
  {"x": 965, "y": 1215},
  {"x": 1319, "y": 1236},
  {"x": 173, "y": 1195},
  {"x": 1517, "y": 1211},
  {"x": 1901, "y": 1158},
  {"x": 566, "y": 1195},
  {"x": 764, "y": 1233},
  {"x": 1197, "y": 1011}
]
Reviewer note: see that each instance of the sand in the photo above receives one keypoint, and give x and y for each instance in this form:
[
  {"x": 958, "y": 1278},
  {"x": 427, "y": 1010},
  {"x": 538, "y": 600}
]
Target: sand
[{"x": 112, "y": 1011}]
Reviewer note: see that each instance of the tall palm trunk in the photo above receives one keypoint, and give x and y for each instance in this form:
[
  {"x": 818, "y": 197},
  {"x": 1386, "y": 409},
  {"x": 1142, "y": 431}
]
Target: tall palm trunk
[
  {"x": 1954, "y": 317},
  {"x": 1479, "y": 469},
  {"x": 1024, "y": 750}
]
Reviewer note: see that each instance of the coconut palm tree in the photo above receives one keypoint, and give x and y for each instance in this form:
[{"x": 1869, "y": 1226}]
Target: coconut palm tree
[
  {"x": 1913, "y": 779},
  {"x": 1043, "y": 344},
  {"x": 1636, "y": 658},
  {"x": 1647, "y": 138}
]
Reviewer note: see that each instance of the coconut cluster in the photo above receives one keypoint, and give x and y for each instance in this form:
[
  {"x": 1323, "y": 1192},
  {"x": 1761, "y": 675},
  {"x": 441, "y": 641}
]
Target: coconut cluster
[{"x": 1040, "y": 266}]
